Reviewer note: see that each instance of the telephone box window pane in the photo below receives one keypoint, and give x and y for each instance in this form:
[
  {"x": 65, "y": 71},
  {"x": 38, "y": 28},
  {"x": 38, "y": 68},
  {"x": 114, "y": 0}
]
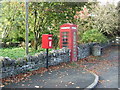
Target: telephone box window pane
[
  {"x": 74, "y": 42},
  {"x": 64, "y": 36},
  {"x": 65, "y": 39},
  {"x": 74, "y": 33},
  {"x": 74, "y": 55},
  {"x": 74, "y": 37},
  {"x": 65, "y": 42},
  {"x": 64, "y": 33},
  {"x": 74, "y": 49},
  {"x": 64, "y": 46},
  {"x": 74, "y": 52}
]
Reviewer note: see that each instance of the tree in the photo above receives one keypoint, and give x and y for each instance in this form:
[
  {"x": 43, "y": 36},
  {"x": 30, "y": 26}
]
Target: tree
[
  {"x": 49, "y": 16},
  {"x": 118, "y": 9},
  {"x": 83, "y": 20},
  {"x": 95, "y": 16},
  {"x": 13, "y": 21},
  {"x": 105, "y": 18},
  {"x": 44, "y": 18}
]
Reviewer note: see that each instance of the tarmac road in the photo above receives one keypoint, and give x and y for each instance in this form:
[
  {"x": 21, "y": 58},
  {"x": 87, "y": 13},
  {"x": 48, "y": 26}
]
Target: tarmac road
[
  {"x": 109, "y": 78},
  {"x": 105, "y": 66},
  {"x": 109, "y": 72}
]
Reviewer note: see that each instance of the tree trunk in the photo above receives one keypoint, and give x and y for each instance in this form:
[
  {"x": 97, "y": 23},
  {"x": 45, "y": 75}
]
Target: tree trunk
[
  {"x": 35, "y": 33},
  {"x": 36, "y": 44}
]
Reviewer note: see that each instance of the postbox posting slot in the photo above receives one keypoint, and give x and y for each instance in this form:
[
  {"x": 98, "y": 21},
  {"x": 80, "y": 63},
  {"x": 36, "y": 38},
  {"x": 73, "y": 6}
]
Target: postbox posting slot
[{"x": 50, "y": 38}]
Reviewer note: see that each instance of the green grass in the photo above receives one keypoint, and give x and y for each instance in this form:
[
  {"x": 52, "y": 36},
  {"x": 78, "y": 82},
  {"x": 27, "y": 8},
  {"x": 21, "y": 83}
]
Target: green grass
[{"x": 17, "y": 52}]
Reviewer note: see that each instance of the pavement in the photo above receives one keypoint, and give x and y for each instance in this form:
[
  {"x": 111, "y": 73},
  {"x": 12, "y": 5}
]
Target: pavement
[{"x": 78, "y": 77}]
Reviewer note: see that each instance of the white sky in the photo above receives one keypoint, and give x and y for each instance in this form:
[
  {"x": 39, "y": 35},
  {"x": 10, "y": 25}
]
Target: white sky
[{"x": 103, "y": 2}]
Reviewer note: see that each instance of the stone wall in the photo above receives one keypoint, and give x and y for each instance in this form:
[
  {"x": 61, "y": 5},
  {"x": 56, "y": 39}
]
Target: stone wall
[
  {"x": 12, "y": 67},
  {"x": 83, "y": 50}
]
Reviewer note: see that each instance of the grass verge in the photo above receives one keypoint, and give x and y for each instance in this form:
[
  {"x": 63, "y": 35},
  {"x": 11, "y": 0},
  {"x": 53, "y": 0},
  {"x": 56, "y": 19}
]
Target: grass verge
[{"x": 17, "y": 52}]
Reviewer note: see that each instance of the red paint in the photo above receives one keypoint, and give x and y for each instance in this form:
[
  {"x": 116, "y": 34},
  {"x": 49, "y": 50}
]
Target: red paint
[
  {"x": 68, "y": 38},
  {"x": 47, "y": 41}
]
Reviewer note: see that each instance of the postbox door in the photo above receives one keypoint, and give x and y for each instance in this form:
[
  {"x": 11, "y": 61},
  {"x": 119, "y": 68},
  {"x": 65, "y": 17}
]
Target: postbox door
[{"x": 46, "y": 41}]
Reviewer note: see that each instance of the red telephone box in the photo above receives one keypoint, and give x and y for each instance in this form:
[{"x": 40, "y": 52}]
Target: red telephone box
[
  {"x": 47, "y": 41},
  {"x": 68, "y": 38}
]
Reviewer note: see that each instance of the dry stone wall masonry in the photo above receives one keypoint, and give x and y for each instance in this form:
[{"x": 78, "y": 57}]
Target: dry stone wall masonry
[
  {"x": 10, "y": 67},
  {"x": 83, "y": 51}
]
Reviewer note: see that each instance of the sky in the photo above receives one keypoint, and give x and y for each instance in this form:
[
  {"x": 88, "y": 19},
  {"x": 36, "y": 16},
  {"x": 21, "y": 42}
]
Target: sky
[{"x": 103, "y": 2}]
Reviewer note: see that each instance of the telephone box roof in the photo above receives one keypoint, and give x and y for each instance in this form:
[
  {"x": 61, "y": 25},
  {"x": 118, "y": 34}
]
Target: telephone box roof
[{"x": 68, "y": 24}]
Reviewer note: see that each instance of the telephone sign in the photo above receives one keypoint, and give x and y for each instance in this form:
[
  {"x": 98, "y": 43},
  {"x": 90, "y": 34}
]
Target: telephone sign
[
  {"x": 47, "y": 41},
  {"x": 68, "y": 38}
]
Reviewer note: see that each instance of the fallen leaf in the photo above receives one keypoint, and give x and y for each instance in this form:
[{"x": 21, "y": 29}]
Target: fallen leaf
[
  {"x": 60, "y": 77},
  {"x": 41, "y": 86},
  {"x": 61, "y": 81},
  {"x": 1, "y": 85},
  {"x": 56, "y": 85},
  {"x": 37, "y": 86},
  {"x": 69, "y": 82},
  {"x": 67, "y": 74},
  {"x": 108, "y": 80},
  {"x": 49, "y": 73},
  {"x": 22, "y": 85},
  {"x": 28, "y": 84},
  {"x": 83, "y": 72},
  {"x": 101, "y": 81},
  {"x": 66, "y": 85},
  {"x": 77, "y": 87},
  {"x": 73, "y": 83}
]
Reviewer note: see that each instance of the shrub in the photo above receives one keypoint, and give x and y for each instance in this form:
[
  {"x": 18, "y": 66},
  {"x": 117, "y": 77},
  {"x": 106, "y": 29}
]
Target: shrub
[{"x": 93, "y": 36}]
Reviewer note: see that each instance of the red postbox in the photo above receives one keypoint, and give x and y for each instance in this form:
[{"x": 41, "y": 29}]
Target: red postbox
[
  {"x": 68, "y": 38},
  {"x": 47, "y": 41}
]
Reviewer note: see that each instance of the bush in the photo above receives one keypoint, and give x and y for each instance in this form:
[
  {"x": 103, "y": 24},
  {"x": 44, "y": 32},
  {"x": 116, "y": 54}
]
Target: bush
[
  {"x": 55, "y": 41},
  {"x": 93, "y": 36}
]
